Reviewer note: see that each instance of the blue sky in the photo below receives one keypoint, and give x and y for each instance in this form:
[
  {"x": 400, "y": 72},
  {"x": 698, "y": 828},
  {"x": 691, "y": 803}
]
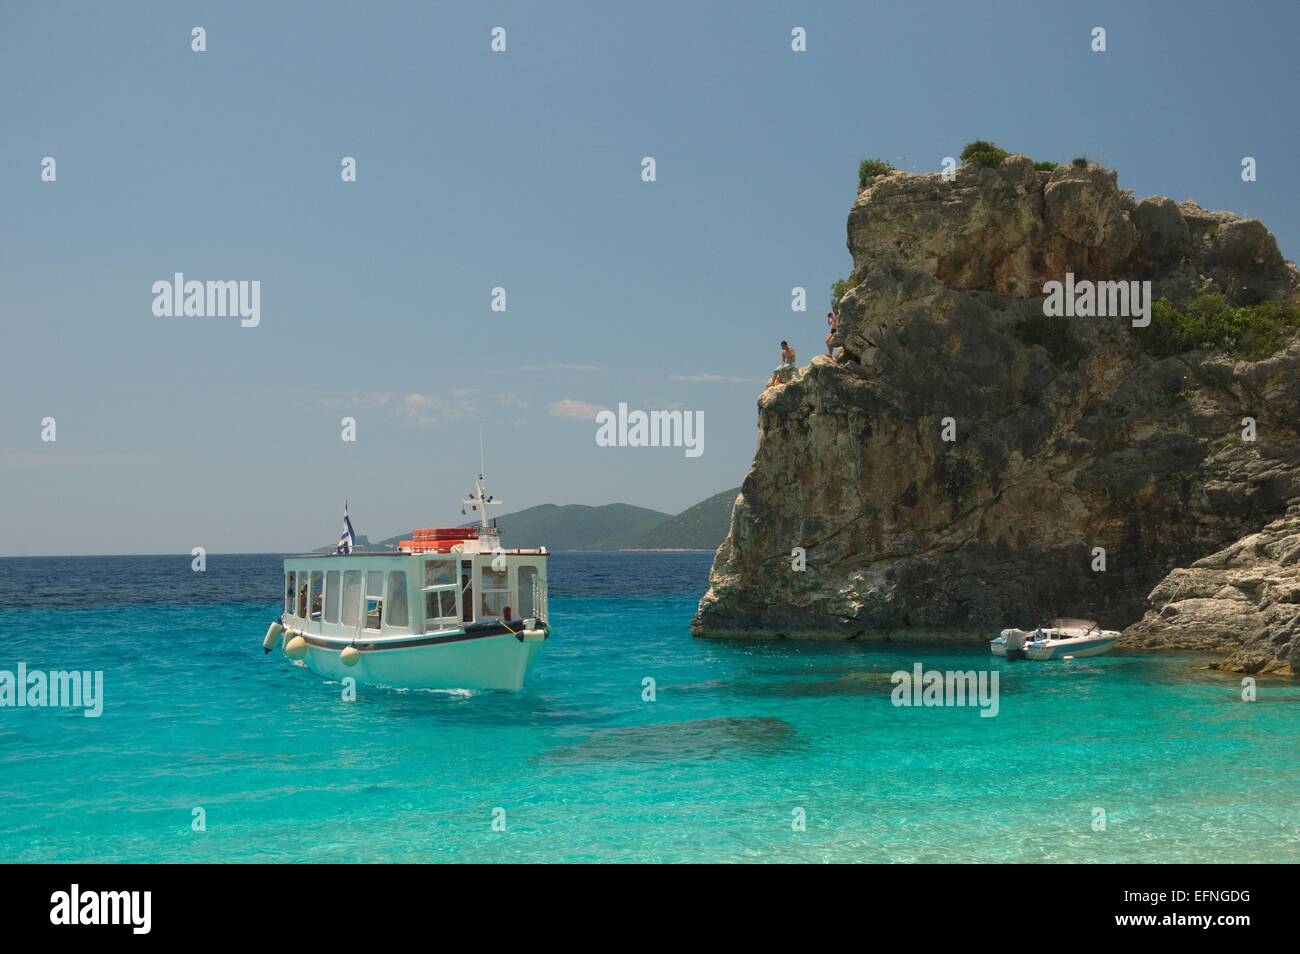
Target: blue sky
[{"x": 519, "y": 170}]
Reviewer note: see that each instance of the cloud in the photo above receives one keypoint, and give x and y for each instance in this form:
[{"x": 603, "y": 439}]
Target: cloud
[
  {"x": 511, "y": 399},
  {"x": 422, "y": 410},
  {"x": 562, "y": 367},
  {"x": 711, "y": 378},
  {"x": 574, "y": 410},
  {"x": 366, "y": 399},
  {"x": 425, "y": 410}
]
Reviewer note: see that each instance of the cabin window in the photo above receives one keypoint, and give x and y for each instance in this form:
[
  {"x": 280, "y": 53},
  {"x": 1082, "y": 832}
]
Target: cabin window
[
  {"x": 332, "y": 594},
  {"x": 439, "y": 591},
  {"x": 525, "y": 602},
  {"x": 495, "y": 603},
  {"x": 397, "y": 615},
  {"x": 374, "y": 599},
  {"x": 439, "y": 573},
  {"x": 439, "y": 609},
  {"x": 351, "y": 597},
  {"x": 289, "y": 590},
  {"x": 374, "y": 612},
  {"x": 317, "y": 594},
  {"x": 494, "y": 591}
]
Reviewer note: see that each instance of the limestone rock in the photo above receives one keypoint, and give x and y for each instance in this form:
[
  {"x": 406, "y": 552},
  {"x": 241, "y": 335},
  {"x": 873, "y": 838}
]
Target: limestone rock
[
  {"x": 1243, "y": 599},
  {"x": 1069, "y": 436}
]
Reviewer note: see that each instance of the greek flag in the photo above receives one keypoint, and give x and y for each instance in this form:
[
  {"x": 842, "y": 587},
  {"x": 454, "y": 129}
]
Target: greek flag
[{"x": 345, "y": 541}]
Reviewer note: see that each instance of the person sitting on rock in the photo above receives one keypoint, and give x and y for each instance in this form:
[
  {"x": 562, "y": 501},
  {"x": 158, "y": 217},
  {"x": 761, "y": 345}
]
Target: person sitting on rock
[{"x": 787, "y": 364}]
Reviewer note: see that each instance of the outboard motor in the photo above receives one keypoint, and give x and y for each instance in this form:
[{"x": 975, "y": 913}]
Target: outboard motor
[{"x": 1015, "y": 642}]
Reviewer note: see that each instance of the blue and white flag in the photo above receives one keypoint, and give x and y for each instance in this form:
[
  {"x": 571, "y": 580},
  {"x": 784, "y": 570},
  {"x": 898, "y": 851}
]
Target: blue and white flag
[{"x": 346, "y": 541}]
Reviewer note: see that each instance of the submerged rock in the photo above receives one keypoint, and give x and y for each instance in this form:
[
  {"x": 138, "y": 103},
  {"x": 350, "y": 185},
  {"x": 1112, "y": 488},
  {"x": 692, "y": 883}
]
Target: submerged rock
[
  {"x": 681, "y": 741},
  {"x": 1069, "y": 434}
]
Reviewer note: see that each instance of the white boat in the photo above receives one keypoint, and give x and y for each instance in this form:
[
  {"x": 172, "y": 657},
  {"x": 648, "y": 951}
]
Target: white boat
[
  {"x": 451, "y": 609},
  {"x": 1061, "y": 638}
]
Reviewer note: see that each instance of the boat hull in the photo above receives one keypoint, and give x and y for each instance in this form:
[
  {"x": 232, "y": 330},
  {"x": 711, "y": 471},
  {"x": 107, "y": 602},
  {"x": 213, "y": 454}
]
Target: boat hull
[
  {"x": 481, "y": 662},
  {"x": 1076, "y": 648}
]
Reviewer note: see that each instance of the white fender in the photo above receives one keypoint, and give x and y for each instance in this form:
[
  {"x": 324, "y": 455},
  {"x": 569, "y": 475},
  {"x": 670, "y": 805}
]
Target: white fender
[
  {"x": 350, "y": 656},
  {"x": 272, "y": 636},
  {"x": 533, "y": 635},
  {"x": 296, "y": 648}
]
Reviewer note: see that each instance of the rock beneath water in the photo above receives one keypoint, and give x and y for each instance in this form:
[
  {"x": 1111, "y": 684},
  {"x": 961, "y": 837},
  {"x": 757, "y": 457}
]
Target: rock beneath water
[
  {"x": 681, "y": 741},
  {"x": 1244, "y": 599},
  {"x": 1069, "y": 435}
]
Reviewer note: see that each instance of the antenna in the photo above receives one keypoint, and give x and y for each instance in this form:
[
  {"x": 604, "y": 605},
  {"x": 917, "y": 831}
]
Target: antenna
[{"x": 479, "y": 499}]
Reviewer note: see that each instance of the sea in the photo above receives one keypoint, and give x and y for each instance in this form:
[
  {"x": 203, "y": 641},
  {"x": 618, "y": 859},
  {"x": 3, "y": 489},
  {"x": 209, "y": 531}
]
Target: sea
[{"x": 631, "y": 742}]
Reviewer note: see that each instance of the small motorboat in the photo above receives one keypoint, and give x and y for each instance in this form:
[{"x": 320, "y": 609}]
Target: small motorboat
[{"x": 1058, "y": 639}]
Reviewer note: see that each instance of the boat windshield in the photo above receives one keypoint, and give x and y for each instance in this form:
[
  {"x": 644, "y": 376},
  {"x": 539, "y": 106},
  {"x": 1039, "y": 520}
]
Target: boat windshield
[{"x": 1065, "y": 622}]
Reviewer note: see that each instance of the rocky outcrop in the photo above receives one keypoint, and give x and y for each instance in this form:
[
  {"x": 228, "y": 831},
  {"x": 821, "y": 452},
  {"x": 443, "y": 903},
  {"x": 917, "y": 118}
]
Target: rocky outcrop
[
  {"x": 1068, "y": 435},
  {"x": 1244, "y": 599}
]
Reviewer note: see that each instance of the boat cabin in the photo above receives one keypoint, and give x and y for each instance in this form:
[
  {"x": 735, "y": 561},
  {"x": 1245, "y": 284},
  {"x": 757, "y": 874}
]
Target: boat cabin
[{"x": 440, "y": 580}]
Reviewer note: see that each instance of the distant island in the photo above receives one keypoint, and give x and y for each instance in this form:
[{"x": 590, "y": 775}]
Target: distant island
[{"x": 617, "y": 526}]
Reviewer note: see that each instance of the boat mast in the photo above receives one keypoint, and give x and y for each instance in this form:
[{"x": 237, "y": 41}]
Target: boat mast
[{"x": 480, "y": 497}]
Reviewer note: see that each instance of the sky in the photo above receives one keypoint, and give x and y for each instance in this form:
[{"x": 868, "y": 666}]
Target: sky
[{"x": 519, "y": 170}]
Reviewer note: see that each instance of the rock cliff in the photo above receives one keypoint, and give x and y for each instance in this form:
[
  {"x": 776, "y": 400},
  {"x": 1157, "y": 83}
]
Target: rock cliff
[
  {"x": 1065, "y": 434},
  {"x": 1244, "y": 599}
]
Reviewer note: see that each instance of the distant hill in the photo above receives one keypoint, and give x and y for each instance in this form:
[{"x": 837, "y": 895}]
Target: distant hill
[
  {"x": 360, "y": 542},
  {"x": 701, "y": 527},
  {"x": 609, "y": 527},
  {"x": 574, "y": 526}
]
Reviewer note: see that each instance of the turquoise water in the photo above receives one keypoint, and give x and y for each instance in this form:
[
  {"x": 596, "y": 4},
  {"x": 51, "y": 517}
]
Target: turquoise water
[{"x": 739, "y": 738}]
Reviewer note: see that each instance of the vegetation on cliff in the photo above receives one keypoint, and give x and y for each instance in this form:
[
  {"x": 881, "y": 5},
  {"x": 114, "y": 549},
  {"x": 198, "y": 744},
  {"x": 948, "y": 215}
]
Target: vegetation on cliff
[
  {"x": 1209, "y": 322},
  {"x": 982, "y": 153},
  {"x": 989, "y": 155},
  {"x": 868, "y": 169}
]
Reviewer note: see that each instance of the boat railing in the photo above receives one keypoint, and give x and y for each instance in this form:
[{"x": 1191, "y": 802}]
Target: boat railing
[{"x": 539, "y": 601}]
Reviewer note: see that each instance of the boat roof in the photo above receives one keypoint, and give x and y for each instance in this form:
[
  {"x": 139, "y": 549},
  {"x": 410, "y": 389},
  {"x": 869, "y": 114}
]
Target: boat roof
[{"x": 406, "y": 554}]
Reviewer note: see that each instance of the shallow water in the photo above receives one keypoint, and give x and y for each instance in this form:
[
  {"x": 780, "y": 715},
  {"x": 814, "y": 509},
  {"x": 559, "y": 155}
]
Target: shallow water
[{"x": 739, "y": 738}]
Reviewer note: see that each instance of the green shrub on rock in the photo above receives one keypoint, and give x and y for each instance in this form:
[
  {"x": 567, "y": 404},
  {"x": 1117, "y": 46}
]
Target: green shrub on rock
[
  {"x": 842, "y": 286},
  {"x": 982, "y": 153},
  {"x": 868, "y": 169},
  {"x": 1210, "y": 322}
]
